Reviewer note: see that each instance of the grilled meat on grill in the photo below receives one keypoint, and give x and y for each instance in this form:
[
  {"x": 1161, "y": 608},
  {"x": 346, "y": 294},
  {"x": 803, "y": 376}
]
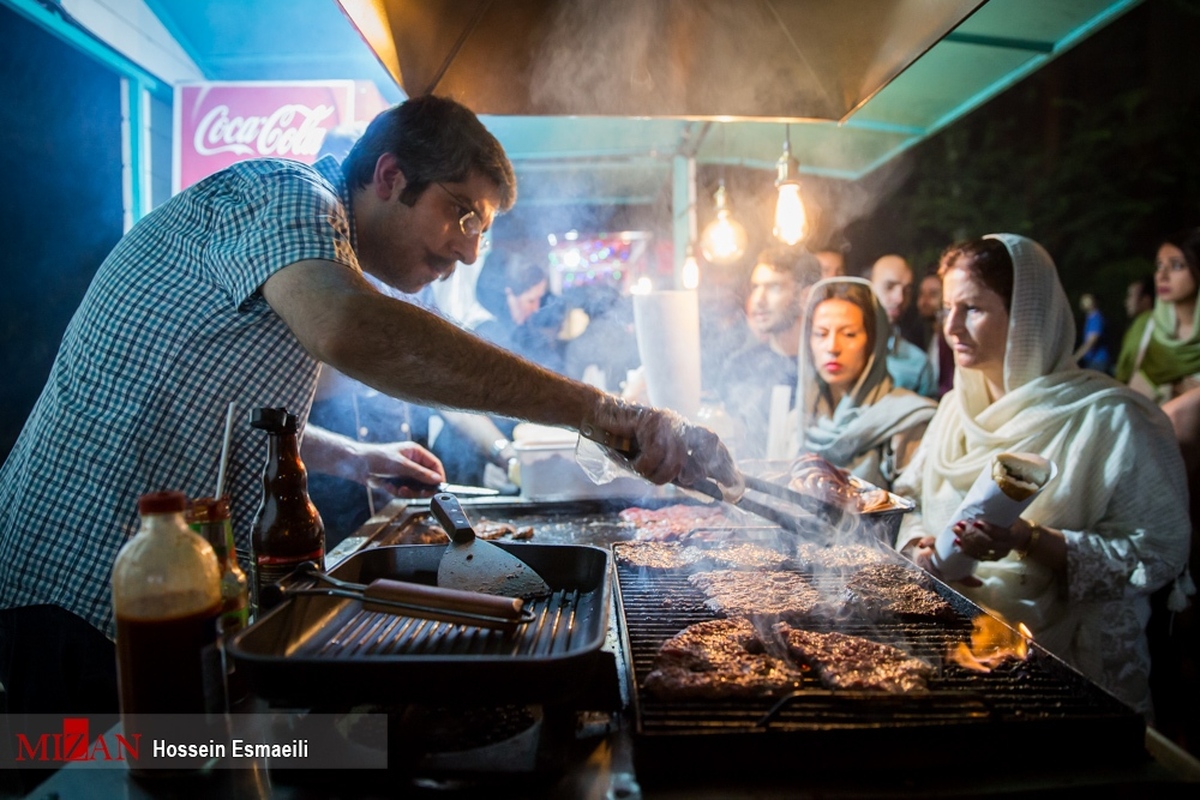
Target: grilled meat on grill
[
  {"x": 839, "y": 557},
  {"x": 896, "y": 590},
  {"x": 719, "y": 659},
  {"x": 842, "y": 661},
  {"x": 672, "y": 523},
  {"x": 745, "y": 594},
  {"x": 652, "y": 555},
  {"x": 669, "y": 555}
]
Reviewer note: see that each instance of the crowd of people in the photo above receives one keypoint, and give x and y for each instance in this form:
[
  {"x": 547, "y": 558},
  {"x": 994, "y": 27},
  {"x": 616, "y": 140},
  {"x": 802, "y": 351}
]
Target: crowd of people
[{"x": 915, "y": 398}]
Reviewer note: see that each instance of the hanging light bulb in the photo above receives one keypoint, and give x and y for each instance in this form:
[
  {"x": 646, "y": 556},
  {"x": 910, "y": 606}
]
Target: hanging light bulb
[
  {"x": 691, "y": 270},
  {"x": 724, "y": 239},
  {"x": 791, "y": 222}
]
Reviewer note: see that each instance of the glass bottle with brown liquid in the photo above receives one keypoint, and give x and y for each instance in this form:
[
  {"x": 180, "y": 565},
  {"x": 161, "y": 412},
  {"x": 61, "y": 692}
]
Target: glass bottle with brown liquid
[
  {"x": 166, "y": 589},
  {"x": 287, "y": 529}
]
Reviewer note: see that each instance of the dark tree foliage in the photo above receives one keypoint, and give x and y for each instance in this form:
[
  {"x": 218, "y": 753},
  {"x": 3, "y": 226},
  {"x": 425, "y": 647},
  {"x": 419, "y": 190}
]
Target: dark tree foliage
[{"x": 1094, "y": 156}]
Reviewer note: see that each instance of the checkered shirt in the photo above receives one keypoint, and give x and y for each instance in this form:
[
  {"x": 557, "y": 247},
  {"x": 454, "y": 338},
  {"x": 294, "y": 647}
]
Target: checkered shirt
[{"x": 172, "y": 329}]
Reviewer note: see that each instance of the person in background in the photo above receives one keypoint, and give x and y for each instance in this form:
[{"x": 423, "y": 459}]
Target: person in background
[
  {"x": 239, "y": 288},
  {"x": 1139, "y": 297},
  {"x": 1079, "y": 566},
  {"x": 892, "y": 280},
  {"x": 850, "y": 412},
  {"x": 606, "y": 348},
  {"x": 476, "y": 449},
  {"x": 1160, "y": 357},
  {"x": 833, "y": 263},
  {"x": 929, "y": 309},
  {"x": 779, "y": 285},
  {"x": 1092, "y": 352},
  {"x": 1161, "y": 351}
]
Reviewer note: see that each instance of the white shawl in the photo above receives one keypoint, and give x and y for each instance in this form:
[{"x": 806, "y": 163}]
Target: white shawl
[
  {"x": 857, "y": 434},
  {"x": 1120, "y": 496}
]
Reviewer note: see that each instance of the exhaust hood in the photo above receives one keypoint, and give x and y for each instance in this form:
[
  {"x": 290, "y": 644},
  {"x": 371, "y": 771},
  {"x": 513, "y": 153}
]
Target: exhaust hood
[{"x": 692, "y": 59}]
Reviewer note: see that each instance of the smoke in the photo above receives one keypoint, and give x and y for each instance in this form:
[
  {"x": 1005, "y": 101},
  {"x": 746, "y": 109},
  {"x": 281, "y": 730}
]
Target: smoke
[{"x": 682, "y": 58}]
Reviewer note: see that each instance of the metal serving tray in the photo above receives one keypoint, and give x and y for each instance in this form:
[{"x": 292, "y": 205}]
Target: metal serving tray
[{"x": 317, "y": 651}]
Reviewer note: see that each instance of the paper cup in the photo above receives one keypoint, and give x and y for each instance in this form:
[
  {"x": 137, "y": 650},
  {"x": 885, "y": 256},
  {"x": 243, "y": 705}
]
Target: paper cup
[
  {"x": 668, "y": 337},
  {"x": 984, "y": 501}
]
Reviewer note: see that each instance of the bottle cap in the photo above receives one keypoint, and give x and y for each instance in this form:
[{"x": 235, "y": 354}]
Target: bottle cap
[
  {"x": 208, "y": 509},
  {"x": 273, "y": 420},
  {"x": 162, "y": 503}
]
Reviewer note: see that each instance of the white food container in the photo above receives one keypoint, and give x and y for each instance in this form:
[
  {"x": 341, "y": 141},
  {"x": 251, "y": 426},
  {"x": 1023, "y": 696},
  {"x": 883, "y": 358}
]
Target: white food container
[{"x": 549, "y": 471}]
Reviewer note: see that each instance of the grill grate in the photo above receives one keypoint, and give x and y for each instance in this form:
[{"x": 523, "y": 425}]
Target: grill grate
[
  {"x": 367, "y": 633},
  {"x": 1040, "y": 697}
]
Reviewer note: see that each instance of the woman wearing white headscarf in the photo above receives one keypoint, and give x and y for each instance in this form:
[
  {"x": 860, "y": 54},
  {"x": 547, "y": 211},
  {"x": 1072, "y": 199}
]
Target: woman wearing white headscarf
[
  {"x": 1079, "y": 567},
  {"x": 850, "y": 412}
]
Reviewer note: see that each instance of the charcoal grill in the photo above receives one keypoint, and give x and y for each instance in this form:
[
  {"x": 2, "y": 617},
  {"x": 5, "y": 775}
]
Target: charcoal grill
[{"x": 1026, "y": 708}]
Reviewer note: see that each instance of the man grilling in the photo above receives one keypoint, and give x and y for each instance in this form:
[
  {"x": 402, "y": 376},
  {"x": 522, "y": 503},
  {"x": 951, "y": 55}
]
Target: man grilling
[{"x": 238, "y": 289}]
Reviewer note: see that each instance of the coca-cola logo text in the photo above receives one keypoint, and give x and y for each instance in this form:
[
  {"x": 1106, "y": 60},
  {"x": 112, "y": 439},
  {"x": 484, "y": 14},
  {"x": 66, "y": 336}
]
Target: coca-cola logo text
[{"x": 291, "y": 130}]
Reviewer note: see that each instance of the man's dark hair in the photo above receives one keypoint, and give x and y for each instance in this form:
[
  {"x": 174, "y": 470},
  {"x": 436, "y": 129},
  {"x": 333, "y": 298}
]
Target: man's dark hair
[
  {"x": 796, "y": 261},
  {"x": 434, "y": 140}
]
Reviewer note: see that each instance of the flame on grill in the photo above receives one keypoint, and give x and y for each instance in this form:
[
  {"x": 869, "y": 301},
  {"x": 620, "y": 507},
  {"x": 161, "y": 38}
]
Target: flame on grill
[{"x": 992, "y": 643}]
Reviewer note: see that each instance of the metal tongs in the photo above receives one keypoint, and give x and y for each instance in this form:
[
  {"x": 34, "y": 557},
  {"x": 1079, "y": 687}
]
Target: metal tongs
[
  {"x": 419, "y": 600},
  {"x": 825, "y": 511}
]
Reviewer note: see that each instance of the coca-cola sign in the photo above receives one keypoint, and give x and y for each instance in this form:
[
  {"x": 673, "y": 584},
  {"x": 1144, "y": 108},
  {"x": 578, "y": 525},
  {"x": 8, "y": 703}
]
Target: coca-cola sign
[{"x": 217, "y": 124}]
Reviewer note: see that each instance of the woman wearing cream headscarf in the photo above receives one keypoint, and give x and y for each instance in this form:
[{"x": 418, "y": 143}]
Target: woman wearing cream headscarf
[
  {"x": 851, "y": 413},
  {"x": 1079, "y": 567}
]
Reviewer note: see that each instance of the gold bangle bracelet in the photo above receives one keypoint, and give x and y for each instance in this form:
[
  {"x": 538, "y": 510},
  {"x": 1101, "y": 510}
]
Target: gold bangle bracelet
[{"x": 1035, "y": 533}]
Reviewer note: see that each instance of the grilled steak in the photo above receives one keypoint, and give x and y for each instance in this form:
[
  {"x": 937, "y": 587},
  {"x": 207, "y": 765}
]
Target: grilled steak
[
  {"x": 896, "y": 590},
  {"x": 490, "y": 529},
  {"x": 719, "y": 659},
  {"x": 672, "y": 523},
  {"x": 669, "y": 555},
  {"x": 744, "y": 594},
  {"x": 652, "y": 555},
  {"x": 839, "y": 557},
  {"x": 742, "y": 556},
  {"x": 842, "y": 661}
]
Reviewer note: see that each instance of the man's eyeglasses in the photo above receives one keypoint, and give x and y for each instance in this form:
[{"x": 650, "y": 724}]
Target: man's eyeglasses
[{"x": 469, "y": 221}]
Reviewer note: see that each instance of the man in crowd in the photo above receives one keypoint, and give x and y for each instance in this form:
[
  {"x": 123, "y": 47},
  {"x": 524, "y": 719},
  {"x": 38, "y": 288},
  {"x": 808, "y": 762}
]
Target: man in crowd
[
  {"x": 892, "y": 279},
  {"x": 833, "y": 263},
  {"x": 929, "y": 309},
  {"x": 238, "y": 289},
  {"x": 779, "y": 286}
]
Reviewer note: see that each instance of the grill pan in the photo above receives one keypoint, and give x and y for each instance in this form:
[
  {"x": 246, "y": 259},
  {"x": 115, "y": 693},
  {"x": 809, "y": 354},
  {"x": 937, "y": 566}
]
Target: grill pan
[
  {"x": 322, "y": 651},
  {"x": 1026, "y": 709}
]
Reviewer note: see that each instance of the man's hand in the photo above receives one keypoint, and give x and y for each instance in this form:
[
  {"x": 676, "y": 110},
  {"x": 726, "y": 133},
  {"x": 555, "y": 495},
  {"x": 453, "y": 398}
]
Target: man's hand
[
  {"x": 388, "y": 463},
  {"x": 665, "y": 447},
  {"x": 371, "y": 464}
]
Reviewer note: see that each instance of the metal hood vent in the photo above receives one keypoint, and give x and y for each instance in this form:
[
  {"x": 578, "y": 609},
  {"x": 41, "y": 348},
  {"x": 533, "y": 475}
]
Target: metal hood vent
[{"x": 695, "y": 59}]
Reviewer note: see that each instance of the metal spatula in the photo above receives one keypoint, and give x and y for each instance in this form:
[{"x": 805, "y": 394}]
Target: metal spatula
[{"x": 473, "y": 565}]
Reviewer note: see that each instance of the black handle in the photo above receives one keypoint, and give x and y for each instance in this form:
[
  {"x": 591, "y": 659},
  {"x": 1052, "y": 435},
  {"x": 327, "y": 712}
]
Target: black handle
[{"x": 449, "y": 513}]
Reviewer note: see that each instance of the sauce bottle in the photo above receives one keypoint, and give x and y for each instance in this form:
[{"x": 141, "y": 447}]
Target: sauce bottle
[
  {"x": 209, "y": 517},
  {"x": 166, "y": 590},
  {"x": 287, "y": 529}
]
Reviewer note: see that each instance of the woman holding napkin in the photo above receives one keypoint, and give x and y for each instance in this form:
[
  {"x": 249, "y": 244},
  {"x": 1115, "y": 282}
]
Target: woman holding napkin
[
  {"x": 1080, "y": 564},
  {"x": 851, "y": 413}
]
